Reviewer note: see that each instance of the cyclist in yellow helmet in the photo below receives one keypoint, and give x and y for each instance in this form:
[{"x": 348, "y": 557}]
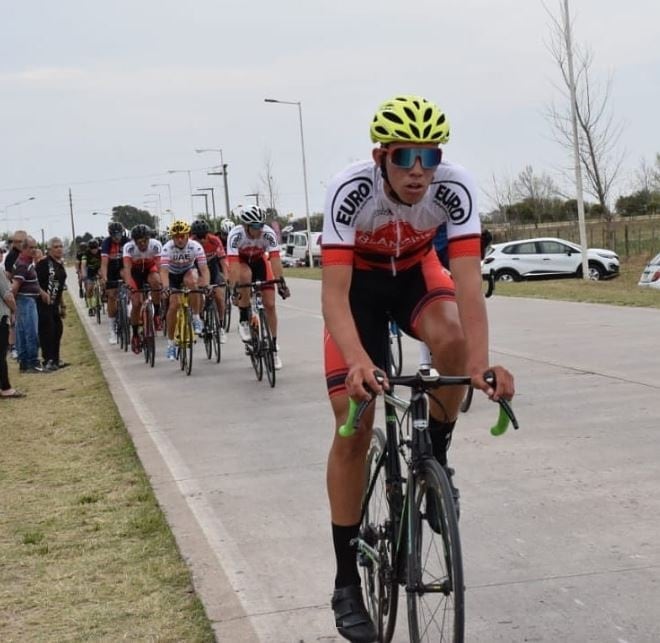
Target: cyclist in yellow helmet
[
  {"x": 379, "y": 222},
  {"x": 182, "y": 263}
]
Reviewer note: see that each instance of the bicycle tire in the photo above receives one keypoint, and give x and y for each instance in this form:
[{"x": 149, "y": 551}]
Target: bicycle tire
[
  {"x": 126, "y": 324},
  {"x": 267, "y": 348},
  {"x": 149, "y": 335},
  {"x": 208, "y": 330},
  {"x": 379, "y": 584},
  {"x": 255, "y": 353},
  {"x": 226, "y": 320},
  {"x": 190, "y": 340},
  {"x": 180, "y": 337},
  {"x": 97, "y": 303},
  {"x": 215, "y": 340},
  {"x": 435, "y": 588},
  {"x": 467, "y": 400},
  {"x": 396, "y": 351}
]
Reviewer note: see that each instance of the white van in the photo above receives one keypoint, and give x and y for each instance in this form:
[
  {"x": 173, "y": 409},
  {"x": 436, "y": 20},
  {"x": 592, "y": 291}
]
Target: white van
[{"x": 296, "y": 246}]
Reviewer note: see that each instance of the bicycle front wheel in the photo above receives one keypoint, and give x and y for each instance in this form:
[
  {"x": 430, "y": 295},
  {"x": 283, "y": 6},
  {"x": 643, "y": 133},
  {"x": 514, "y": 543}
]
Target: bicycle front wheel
[
  {"x": 97, "y": 304},
  {"x": 190, "y": 340},
  {"x": 436, "y": 594},
  {"x": 268, "y": 348},
  {"x": 255, "y": 352},
  {"x": 379, "y": 583},
  {"x": 149, "y": 335}
]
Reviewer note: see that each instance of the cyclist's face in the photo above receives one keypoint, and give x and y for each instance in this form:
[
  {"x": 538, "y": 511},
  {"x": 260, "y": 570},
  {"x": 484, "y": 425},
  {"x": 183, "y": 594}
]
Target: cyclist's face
[
  {"x": 142, "y": 244},
  {"x": 411, "y": 183},
  {"x": 254, "y": 230},
  {"x": 180, "y": 240}
]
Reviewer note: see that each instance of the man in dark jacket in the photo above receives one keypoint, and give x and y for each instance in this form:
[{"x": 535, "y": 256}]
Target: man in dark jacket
[{"x": 52, "y": 279}]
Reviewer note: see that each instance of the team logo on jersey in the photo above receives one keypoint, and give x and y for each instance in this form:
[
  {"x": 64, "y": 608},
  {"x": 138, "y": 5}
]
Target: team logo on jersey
[
  {"x": 235, "y": 242},
  {"x": 349, "y": 200},
  {"x": 454, "y": 198},
  {"x": 270, "y": 238}
]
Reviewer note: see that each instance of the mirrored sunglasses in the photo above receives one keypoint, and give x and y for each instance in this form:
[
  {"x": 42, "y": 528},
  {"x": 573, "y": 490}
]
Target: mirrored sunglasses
[
  {"x": 256, "y": 226},
  {"x": 406, "y": 157}
]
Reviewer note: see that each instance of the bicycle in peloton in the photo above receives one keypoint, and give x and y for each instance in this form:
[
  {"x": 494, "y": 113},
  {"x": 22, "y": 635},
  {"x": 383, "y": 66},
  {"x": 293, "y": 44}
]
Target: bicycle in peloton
[
  {"x": 396, "y": 348},
  {"x": 123, "y": 319},
  {"x": 261, "y": 347},
  {"x": 211, "y": 319},
  {"x": 226, "y": 321},
  {"x": 409, "y": 533},
  {"x": 97, "y": 299},
  {"x": 148, "y": 327},
  {"x": 184, "y": 336}
]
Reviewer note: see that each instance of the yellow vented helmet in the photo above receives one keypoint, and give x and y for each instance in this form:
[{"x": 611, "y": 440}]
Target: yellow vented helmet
[
  {"x": 409, "y": 119},
  {"x": 179, "y": 227}
]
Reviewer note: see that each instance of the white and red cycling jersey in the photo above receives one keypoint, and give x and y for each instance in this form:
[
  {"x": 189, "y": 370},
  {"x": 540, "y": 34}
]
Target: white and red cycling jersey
[
  {"x": 142, "y": 260},
  {"x": 241, "y": 247},
  {"x": 180, "y": 260},
  {"x": 365, "y": 228}
]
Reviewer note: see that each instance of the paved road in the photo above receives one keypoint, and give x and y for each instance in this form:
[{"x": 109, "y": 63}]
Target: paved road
[{"x": 559, "y": 521}]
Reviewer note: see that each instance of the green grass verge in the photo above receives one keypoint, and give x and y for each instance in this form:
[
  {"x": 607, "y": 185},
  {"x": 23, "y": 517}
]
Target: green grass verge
[
  {"x": 86, "y": 553},
  {"x": 620, "y": 291}
]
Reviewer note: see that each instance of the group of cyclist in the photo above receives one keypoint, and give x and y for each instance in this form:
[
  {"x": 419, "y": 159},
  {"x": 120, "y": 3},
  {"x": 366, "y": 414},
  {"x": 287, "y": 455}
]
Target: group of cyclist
[{"x": 192, "y": 258}]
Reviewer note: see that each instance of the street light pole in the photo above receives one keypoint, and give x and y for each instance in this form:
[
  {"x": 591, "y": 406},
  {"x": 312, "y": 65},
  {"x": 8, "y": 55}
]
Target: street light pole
[
  {"x": 223, "y": 172},
  {"x": 255, "y": 195},
  {"x": 304, "y": 166},
  {"x": 212, "y": 191},
  {"x": 169, "y": 191},
  {"x": 192, "y": 206},
  {"x": 17, "y": 203},
  {"x": 206, "y": 202}
]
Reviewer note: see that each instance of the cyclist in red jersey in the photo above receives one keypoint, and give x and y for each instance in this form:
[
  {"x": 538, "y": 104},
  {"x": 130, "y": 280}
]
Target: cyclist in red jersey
[
  {"x": 216, "y": 260},
  {"x": 141, "y": 260},
  {"x": 380, "y": 219}
]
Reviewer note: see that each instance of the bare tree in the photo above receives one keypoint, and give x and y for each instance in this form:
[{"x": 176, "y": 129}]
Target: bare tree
[
  {"x": 647, "y": 177},
  {"x": 598, "y": 132},
  {"x": 501, "y": 196},
  {"x": 267, "y": 183}
]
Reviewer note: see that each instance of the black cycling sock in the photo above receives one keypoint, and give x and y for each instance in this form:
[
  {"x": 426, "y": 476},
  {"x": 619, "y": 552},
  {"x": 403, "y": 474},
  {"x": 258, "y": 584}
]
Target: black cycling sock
[
  {"x": 345, "y": 554},
  {"x": 156, "y": 309},
  {"x": 274, "y": 341},
  {"x": 135, "y": 329},
  {"x": 244, "y": 314},
  {"x": 440, "y": 438}
]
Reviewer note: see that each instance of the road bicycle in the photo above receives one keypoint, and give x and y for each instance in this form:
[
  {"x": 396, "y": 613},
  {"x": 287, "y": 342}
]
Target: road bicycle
[
  {"x": 261, "y": 347},
  {"x": 97, "y": 299},
  {"x": 184, "y": 336},
  {"x": 409, "y": 533},
  {"x": 148, "y": 328},
  {"x": 123, "y": 320},
  {"x": 226, "y": 321},
  {"x": 211, "y": 319}
]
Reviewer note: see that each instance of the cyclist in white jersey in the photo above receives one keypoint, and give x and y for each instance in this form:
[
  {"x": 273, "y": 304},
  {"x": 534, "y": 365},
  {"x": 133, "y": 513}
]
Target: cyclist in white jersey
[
  {"x": 247, "y": 246},
  {"x": 379, "y": 222},
  {"x": 141, "y": 259},
  {"x": 182, "y": 263}
]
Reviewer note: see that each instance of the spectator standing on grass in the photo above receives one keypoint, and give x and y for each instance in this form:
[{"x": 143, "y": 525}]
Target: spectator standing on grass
[
  {"x": 10, "y": 259},
  {"x": 7, "y": 309},
  {"x": 52, "y": 279},
  {"x": 25, "y": 288}
]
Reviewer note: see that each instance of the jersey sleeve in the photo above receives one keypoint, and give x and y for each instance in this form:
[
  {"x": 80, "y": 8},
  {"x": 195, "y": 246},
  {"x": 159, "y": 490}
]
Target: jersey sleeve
[
  {"x": 105, "y": 247},
  {"x": 348, "y": 193},
  {"x": 270, "y": 237},
  {"x": 233, "y": 242},
  {"x": 200, "y": 255},
  {"x": 456, "y": 194}
]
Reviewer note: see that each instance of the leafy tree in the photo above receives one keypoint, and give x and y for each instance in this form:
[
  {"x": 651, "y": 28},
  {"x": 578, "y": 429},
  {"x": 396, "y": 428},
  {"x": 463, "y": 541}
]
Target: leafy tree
[
  {"x": 640, "y": 202},
  {"x": 130, "y": 216}
]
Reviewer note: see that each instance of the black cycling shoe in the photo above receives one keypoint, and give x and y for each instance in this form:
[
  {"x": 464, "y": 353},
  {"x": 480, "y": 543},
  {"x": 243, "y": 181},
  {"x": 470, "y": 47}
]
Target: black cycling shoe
[
  {"x": 351, "y": 617},
  {"x": 433, "y": 511}
]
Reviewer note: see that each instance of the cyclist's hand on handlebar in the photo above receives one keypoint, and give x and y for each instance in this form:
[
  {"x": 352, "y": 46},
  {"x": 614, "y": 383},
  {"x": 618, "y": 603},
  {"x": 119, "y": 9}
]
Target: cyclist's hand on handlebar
[
  {"x": 503, "y": 385},
  {"x": 361, "y": 382},
  {"x": 283, "y": 290}
]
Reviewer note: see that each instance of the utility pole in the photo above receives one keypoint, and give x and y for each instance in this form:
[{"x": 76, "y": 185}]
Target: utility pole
[
  {"x": 224, "y": 179},
  {"x": 73, "y": 227}
]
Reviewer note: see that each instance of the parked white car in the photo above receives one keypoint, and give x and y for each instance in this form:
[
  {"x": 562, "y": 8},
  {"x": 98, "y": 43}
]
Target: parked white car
[
  {"x": 651, "y": 274},
  {"x": 546, "y": 258}
]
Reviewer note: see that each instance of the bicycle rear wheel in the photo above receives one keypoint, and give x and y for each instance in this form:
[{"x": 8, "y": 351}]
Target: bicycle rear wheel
[
  {"x": 379, "y": 583},
  {"x": 208, "y": 330},
  {"x": 436, "y": 594},
  {"x": 149, "y": 335},
  {"x": 267, "y": 348}
]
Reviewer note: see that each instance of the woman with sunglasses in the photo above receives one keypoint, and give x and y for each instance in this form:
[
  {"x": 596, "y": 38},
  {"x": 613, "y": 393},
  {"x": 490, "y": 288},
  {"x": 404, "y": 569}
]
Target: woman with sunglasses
[
  {"x": 380, "y": 219},
  {"x": 247, "y": 245}
]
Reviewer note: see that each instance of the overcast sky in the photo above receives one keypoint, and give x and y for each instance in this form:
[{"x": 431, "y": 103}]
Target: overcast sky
[{"x": 106, "y": 97}]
